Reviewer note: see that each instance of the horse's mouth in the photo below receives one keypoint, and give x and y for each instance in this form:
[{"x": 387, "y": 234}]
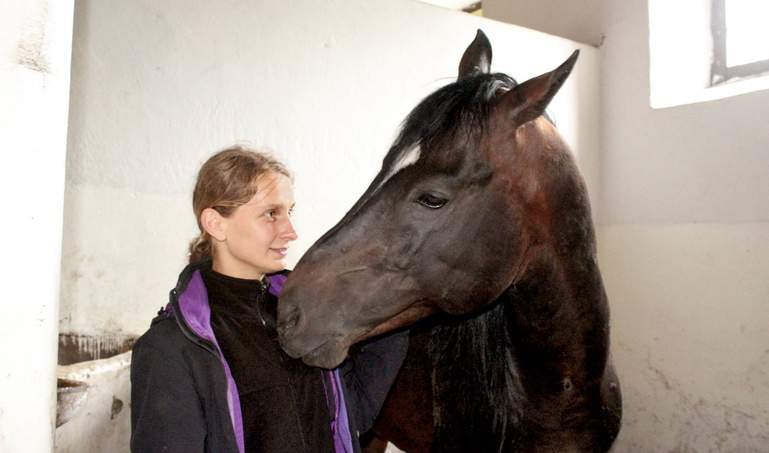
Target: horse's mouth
[{"x": 328, "y": 354}]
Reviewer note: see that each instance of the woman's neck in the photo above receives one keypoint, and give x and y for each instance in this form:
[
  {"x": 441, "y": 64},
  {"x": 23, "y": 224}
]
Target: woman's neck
[{"x": 236, "y": 270}]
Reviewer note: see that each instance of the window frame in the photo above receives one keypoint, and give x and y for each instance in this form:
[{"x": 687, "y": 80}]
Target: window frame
[{"x": 719, "y": 71}]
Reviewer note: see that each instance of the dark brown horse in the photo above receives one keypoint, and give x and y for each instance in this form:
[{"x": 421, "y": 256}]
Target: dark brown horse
[{"x": 480, "y": 218}]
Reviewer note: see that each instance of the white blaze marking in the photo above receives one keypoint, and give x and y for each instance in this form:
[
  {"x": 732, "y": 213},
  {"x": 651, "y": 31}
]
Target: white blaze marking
[{"x": 409, "y": 157}]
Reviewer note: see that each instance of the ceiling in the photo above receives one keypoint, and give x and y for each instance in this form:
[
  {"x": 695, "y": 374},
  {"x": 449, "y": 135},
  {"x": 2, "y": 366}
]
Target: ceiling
[{"x": 461, "y": 5}]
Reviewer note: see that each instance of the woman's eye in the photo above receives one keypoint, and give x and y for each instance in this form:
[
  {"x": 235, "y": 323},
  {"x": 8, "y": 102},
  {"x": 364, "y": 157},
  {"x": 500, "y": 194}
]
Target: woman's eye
[
  {"x": 270, "y": 214},
  {"x": 431, "y": 201}
]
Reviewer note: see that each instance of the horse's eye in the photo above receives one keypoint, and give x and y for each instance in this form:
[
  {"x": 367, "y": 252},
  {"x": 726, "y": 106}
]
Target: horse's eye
[{"x": 431, "y": 201}]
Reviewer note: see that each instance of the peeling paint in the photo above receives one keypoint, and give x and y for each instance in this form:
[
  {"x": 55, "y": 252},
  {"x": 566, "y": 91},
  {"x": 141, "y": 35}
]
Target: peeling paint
[
  {"x": 70, "y": 395},
  {"x": 30, "y": 52},
  {"x": 117, "y": 406},
  {"x": 75, "y": 348}
]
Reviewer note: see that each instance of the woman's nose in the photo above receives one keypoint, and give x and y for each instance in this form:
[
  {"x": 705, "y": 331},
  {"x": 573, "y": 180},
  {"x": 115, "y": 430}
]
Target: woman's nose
[{"x": 288, "y": 232}]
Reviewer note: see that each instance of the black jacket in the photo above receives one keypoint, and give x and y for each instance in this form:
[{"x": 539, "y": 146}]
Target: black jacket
[{"x": 183, "y": 397}]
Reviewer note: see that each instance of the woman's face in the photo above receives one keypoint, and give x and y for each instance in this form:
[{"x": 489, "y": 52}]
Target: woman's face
[{"x": 257, "y": 234}]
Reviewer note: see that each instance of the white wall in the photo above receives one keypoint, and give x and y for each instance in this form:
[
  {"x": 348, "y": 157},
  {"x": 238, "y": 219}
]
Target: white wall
[
  {"x": 579, "y": 20},
  {"x": 35, "y": 47},
  {"x": 685, "y": 252},
  {"x": 158, "y": 86},
  {"x": 699, "y": 163}
]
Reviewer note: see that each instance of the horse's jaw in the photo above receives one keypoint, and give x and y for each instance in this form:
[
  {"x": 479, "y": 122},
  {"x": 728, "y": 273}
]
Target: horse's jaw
[
  {"x": 329, "y": 354},
  {"x": 329, "y": 350},
  {"x": 322, "y": 311}
]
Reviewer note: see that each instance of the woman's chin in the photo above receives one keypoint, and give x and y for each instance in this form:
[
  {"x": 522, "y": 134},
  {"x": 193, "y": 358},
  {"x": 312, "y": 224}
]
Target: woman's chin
[
  {"x": 275, "y": 269},
  {"x": 278, "y": 265}
]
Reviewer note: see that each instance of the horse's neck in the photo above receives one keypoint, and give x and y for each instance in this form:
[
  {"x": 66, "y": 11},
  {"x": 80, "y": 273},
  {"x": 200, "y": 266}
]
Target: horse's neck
[
  {"x": 558, "y": 324},
  {"x": 557, "y": 303},
  {"x": 532, "y": 342}
]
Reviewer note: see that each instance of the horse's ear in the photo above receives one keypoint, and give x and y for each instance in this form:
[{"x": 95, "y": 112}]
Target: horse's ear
[
  {"x": 529, "y": 100},
  {"x": 477, "y": 57}
]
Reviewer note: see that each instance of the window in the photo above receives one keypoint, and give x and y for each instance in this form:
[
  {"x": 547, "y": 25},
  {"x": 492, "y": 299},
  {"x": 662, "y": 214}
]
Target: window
[
  {"x": 692, "y": 58},
  {"x": 740, "y": 39}
]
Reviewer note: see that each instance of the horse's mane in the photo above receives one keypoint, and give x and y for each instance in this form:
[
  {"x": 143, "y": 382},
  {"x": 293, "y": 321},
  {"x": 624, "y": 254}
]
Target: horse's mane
[
  {"x": 459, "y": 107},
  {"x": 482, "y": 383}
]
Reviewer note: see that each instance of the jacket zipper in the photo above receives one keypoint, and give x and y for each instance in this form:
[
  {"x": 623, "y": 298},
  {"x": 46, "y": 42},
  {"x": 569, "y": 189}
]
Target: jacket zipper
[{"x": 186, "y": 330}]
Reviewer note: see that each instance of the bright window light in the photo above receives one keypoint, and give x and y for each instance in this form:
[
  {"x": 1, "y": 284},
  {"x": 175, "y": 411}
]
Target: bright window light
[
  {"x": 688, "y": 60},
  {"x": 747, "y": 31}
]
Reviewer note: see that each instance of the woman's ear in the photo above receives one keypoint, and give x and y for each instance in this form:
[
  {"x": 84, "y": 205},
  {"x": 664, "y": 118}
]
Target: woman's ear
[{"x": 214, "y": 224}]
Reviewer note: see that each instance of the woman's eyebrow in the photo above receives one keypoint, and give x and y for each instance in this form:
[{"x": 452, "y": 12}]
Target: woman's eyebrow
[
  {"x": 258, "y": 205},
  {"x": 271, "y": 206}
]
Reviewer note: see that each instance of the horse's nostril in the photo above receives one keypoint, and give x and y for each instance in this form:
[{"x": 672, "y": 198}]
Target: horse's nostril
[{"x": 289, "y": 322}]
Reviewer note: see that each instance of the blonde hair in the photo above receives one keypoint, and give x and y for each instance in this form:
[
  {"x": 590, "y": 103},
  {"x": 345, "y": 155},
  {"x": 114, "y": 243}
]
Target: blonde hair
[{"x": 227, "y": 180}]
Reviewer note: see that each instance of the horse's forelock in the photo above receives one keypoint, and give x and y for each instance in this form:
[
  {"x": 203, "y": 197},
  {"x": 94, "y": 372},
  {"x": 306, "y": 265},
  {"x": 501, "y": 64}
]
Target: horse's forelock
[{"x": 460, "y": 107}]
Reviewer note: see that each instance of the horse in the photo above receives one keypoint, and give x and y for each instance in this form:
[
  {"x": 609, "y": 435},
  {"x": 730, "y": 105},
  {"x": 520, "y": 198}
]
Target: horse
[{"x": 477, "y": 234}]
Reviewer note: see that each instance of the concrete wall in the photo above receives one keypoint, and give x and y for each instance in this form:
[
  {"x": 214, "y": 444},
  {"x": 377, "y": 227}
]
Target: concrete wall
[
  {"x": 684, "y": 248},
  {"x": 35, "y": 48}
]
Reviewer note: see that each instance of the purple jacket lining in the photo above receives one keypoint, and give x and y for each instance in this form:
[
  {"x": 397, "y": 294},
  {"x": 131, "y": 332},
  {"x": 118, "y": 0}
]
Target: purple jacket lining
[{"x": 193, "y": 303}]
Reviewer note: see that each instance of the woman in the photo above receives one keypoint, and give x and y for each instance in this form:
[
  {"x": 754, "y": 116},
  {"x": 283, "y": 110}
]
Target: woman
[{"x": 209, "y": 375}]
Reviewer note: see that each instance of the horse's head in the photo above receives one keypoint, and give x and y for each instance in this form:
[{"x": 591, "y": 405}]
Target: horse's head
[{"x": 445, "y": 226}]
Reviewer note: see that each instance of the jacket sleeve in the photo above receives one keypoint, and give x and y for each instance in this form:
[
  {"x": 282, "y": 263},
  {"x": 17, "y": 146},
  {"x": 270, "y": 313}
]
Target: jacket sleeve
[
  {"x": 369, "y": 373},
  {"x": 166, "y": 413}
]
